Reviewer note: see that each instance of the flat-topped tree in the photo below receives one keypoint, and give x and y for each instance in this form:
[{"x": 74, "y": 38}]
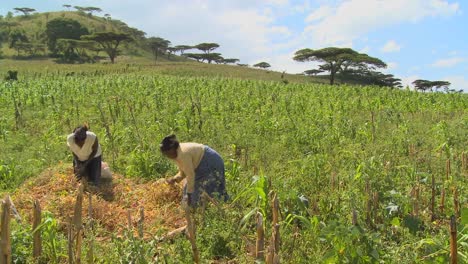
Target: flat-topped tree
[
  {"x": 216, "y": 57},
  {"x": 195, "y": 56},
  {"x": 336, "y": 59},
  {"x": 67, "y": 7},
  {"x": 207, "y": 47},
  {"x": 312, "y": 72},
  {"x": 109, "y": 41},
  {"x": 91, "y": 9},
  {"x": 73, "y": 49},
  {"x": 230, "y": 61},
  {"x": 183, "y": 48},
  {"x": 158, "y": 46},
  {"x": 209, "y": 57},
  {"x": 25, "y": 10},
  {"x": 262, "y": 65},
  {"x": 370, "y": 77},
  {"x": 424, "y": 85}
]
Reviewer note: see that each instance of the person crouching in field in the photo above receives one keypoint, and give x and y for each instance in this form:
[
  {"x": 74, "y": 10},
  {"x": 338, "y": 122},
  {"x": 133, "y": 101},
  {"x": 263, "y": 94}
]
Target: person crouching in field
[
  {"x": 86, "y": 154},
  {"x": 202, "y": 166}
]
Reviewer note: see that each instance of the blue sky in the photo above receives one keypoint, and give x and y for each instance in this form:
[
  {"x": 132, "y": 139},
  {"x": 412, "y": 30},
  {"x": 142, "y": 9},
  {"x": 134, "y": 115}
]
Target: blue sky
[{"x": 424, "y": 39}]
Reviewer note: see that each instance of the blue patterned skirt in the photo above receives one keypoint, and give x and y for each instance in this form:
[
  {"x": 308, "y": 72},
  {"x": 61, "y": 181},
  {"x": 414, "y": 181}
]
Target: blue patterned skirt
[{"x": 209, "y": 178}]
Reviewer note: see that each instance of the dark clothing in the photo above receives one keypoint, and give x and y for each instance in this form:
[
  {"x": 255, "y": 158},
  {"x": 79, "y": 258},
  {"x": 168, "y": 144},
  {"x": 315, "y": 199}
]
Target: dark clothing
[
  {"x": 209, "y": 177},
  {"x": 90, "y": 170}
]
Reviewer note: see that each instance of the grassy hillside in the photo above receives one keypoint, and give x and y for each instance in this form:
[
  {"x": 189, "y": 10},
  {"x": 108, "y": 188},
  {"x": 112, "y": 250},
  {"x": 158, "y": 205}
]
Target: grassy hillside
[
  {"x": 34, "y": 26},
  {"x": 352, "y": 166},
  {"x": 136, "y": 64}
]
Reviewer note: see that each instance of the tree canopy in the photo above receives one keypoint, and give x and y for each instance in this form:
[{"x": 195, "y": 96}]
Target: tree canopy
[
  {"x": 158, "y": 46},
  {"x": 230, "y": 61},
  {"x": 262, "y": 65},
  {"x": 195, "y": 56},
  {"x": 63, "y": 28},
  {"x": 75, "y": 50},
  {"x": 209, "y": 57},
  {"x": 183, "y": 48},
  {"x": 109, "y": 41},
  {"x": 312, "y": 72},
  {"x": 370, "y": 77},
  {"x": 425, "y": 85},
  {"x": 88, "y": 9},
  {"x": 207, "y": 47},
  {"x": 338, "y": 59},
  {"x": 25, "y": 10}
]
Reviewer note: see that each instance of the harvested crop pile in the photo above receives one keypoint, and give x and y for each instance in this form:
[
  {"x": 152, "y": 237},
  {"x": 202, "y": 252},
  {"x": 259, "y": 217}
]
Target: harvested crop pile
[{"x": 56, "y": 189}]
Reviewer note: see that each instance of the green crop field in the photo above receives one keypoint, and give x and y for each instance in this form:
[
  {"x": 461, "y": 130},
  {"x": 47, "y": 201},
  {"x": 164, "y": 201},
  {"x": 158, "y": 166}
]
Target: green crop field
[{"x": 355, "y": 168}]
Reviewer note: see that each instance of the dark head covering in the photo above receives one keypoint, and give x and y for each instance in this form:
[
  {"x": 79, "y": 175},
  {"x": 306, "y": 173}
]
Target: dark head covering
[
  {"x": 80, "y": 132},
  {"x": 168, "y": 143}
]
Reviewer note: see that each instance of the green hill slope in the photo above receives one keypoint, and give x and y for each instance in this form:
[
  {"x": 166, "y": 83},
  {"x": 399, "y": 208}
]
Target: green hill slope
[{"x": 34, "y": 26}]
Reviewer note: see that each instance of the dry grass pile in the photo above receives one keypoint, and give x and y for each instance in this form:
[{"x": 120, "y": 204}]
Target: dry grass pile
[{"x": 56, "y": 190}]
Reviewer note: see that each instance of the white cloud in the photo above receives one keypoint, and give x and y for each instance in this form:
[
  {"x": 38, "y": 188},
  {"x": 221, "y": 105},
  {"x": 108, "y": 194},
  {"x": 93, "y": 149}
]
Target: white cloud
[
  {"x": 391, "y": 46},
  {"x": 303, "y": 7},
  {"x": 319, "y": 14},
  {"x": 353, "y": 18},
  {"x": 446, "y": 63},
  {"x": 458, "y": 82}
]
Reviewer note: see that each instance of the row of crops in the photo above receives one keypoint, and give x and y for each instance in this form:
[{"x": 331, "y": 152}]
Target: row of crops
[{"x": 356, "y": 169}]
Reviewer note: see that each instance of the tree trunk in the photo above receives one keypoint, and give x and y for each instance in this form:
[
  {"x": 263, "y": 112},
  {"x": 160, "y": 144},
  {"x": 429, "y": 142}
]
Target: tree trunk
[
  {"x": 332, "y": 74},
  {"x": 332, "y": 77}
]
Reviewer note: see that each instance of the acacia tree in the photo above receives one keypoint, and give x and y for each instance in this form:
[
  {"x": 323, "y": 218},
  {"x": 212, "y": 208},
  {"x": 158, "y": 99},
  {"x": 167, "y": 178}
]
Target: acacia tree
[
  {"x": 369, "y": 77},
  {"x": 230, "y": 61},
  {"x": 109, "y": 41},
  {"x": 425, "y": 85},
  {"x": 25, "y": 10},
  {"x": 195, "y": 56},
  {"x": 216, "y": 57},
  {"x": 262, "y": 65},
  {"x": 91, "y": 9},
  {"x": 75, "y": 50},
  {"x": 312, "y": 72},
  {"x": 338, "y": 59},
  {"x": 183, "y": 48},
  {"x": 67, "y": 7},
  {"x": 158, "y": 46},
  {"x": 207, "y": 47}
]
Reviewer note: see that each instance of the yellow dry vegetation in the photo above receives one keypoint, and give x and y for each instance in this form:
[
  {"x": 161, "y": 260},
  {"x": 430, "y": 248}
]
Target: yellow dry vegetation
[{"x": 56, "y": 190}]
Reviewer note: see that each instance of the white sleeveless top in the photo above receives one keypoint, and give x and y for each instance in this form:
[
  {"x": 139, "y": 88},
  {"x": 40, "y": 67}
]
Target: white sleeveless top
[{"x": 84, "y": 152}]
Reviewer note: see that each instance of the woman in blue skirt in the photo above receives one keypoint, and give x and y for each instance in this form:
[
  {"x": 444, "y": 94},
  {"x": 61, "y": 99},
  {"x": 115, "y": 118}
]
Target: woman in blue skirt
[{"x": 202, "y": 166}]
